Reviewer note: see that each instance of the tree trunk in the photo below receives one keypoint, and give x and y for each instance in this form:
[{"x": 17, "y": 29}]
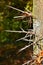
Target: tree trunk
[{"x": 38, "y": 13}]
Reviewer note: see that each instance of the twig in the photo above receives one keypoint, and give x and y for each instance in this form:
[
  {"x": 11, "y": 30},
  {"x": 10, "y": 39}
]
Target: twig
[
  {"x": 22, "y": 28},
  {"x": 19, "y": 17},
  {"x": 23, "y": 38},
  {"x": 28, "y": 40},
  {"x": 20, "y": 31},
  {"x": 35, "y": 42},
  {"x": 15, "y": 8},
  {"x": 16, "y": 31},
  {"x": 25, "y": 47}
]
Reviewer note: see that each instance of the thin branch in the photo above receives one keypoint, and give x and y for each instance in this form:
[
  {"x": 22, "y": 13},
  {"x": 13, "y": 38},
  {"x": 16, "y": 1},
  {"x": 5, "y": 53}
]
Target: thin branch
[
  {"x": 15, "y": 8},
  {"x": 22, "y": 28},
  {"x": 16, "y": 31},
  {"x": 29, "y": 32},
  {"x": 28, "y": 40},
  {"x": 23, "y": 38},
  {"x": 26, "y": 35},
  {"x": 25, "y": 47},
  {"x": 35, "y": 42},
  {"x": 19, "y": 17}
]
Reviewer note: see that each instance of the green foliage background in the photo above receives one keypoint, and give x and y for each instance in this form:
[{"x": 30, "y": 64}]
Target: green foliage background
[{"x": 7, "y": 22}]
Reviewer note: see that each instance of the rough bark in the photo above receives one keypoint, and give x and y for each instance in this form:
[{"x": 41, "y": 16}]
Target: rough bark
[{"x": 38, "y": 13}]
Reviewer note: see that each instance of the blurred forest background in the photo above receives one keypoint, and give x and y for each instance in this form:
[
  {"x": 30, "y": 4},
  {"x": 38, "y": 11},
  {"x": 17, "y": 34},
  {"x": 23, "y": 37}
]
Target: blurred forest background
[{"x": 8, "y": 46}]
